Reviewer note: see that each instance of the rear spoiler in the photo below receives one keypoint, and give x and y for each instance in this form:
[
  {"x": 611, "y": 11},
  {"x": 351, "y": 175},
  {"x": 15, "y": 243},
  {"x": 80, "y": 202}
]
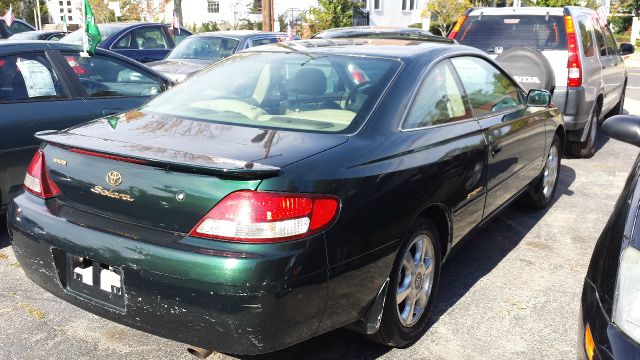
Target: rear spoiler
[{"x": 169, "y": 159}]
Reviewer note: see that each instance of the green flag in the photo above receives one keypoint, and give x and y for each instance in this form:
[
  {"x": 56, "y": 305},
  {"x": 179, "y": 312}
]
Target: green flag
[{"x": 91, "y": 29}]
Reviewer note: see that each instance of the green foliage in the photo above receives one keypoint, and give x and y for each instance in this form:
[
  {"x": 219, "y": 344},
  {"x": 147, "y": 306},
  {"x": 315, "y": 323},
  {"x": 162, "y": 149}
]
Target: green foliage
[
  {"x": 560, "y": 3},
  {"x": 416, "y": 25},
  {"x": 333, "y": 13},
  {"x": 204, "y": 27},
  {"x": 445, "y": 13},
  {"x": 620, "y": 23}
]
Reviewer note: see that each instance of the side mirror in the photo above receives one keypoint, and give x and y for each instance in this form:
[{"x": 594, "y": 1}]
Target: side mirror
[
  {"x": 626, "y": 49},
  {"x": 541, "y": 98},
  {"x": 625, "y": 128}
]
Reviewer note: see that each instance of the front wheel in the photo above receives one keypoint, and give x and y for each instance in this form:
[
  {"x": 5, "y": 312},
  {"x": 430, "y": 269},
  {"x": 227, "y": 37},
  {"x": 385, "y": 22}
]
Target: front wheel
[
  {"x": 413, "y": 287},
  {"x": 544, "y": 187}
]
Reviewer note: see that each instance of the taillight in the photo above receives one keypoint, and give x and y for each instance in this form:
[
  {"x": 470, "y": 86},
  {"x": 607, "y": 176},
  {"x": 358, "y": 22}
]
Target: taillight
[
  {"x": 456, "y": 28},
  {"x": 574, "y": 66},
  {"x": 37, "y": 180},
  {"x": 266, "y": 217}
]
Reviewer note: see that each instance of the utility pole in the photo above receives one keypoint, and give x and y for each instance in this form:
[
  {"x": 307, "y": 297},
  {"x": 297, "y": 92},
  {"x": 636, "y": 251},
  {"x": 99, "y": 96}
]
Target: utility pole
[
  {"x": 38, "y": 18},
  {"x": 267, "y": 15}
]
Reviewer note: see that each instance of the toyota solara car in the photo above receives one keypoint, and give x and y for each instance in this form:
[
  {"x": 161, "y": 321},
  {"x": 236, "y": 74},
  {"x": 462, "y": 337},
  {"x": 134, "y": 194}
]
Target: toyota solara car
[{"x": 286, "y": 191}]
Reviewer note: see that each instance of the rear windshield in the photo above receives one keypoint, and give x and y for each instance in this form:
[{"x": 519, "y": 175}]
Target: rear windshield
[
  {"x": 496, "y": 33},
  {"x": 296, "y": 91}
]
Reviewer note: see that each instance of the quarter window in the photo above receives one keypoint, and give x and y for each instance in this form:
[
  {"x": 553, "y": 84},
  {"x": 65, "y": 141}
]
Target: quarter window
[
  {"x": 102, "y": 76},
  {"x": 586, "y": 36},
  {"x": 600, "y": 42},
  {"x": 488, "y": 89},
  {"x": 28, "y": 77},
  {"x": 612, "y": 47},
  {"x": 439, "y": 100}
]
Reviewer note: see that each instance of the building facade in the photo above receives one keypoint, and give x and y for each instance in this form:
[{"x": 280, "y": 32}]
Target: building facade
[
  {"x": 396, "y": 12},
  {"x": 57, "y": 9}
]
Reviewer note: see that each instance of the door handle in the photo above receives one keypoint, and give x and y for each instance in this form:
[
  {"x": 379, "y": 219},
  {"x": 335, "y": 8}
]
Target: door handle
[
  {"x": 495, "y": 150},
  {"x": 107, "y": 112}
]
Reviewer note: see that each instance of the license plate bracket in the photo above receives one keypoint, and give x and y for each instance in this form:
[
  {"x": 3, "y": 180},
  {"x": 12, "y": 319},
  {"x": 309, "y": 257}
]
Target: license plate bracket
[{"x": 94, "y": 281}]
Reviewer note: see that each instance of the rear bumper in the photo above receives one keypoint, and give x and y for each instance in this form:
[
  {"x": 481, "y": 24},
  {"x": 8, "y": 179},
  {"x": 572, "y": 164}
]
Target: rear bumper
[
  {"x": 228, "y": 303},
  {"x": 611, "y": 342},
  {"x": 574, "y": 106}
]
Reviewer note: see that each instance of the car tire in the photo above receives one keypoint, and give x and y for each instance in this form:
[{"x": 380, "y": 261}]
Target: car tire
[
  {"x": 619, "y": 108},
  {"x": 542, "y": 190},
  {"x": 397, "y": 328},
  {"x": 587, "y": 149}
]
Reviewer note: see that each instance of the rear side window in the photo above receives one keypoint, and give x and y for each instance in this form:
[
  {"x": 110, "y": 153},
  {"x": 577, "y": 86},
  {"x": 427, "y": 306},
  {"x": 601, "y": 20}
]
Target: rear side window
[
  {"x": 102, "y": 76},
  {"x": 28, "y": 77},
  {"x": 488, "y": 89},
  {"x": 124, "y": 42},
  {"x": 496, "y": 33},
  {"x": 600, "y": 42},
  {"x": 151, "y": 38},
  {"x": 263, "y": 41},
  {"x": 612, "y": 47},
  {"x": 439, "y": 100},
  {"x": 586, "y": 35}
]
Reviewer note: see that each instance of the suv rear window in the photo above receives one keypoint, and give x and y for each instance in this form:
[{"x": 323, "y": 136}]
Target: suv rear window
[{"x": 496, "y": 33}]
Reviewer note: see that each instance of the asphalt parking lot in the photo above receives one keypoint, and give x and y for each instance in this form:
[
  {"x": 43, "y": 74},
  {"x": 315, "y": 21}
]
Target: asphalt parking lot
[{"x": 512, "y": 292}]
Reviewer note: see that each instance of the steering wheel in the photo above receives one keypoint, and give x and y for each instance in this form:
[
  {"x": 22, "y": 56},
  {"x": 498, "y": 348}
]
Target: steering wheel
[
  {"x": 93, "y": 87},
  {"x": 351, "y": 99}
]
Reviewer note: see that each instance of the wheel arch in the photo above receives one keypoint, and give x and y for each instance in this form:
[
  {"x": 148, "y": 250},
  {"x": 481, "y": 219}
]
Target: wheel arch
[{"x": 441, "y": 217}]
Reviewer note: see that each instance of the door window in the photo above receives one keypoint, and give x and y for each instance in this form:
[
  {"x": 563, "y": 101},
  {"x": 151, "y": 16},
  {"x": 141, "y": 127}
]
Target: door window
[
  {"x": 150, "y": 38},
  {"x": 28, "y": 77},
  {"x": 439, "y": 100},
  {"x": 612, "y": 48},
  {"x": 488, "y": 89},
  {"x": 103, "y": 76}
]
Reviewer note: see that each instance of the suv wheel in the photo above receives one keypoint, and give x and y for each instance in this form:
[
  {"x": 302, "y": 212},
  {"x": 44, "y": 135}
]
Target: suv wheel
[
  {"x": 413, "y": 287},
  {"x": 587, "y": 148}
]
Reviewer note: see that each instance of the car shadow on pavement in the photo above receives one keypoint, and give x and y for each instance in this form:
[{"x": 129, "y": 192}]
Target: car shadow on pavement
[
  {"x": 601, "y": 140},
  {"x": 481, "y": 253}
]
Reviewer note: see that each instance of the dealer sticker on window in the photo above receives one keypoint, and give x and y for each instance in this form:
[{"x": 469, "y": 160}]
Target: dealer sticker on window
[{"x": 37, "y": 78}]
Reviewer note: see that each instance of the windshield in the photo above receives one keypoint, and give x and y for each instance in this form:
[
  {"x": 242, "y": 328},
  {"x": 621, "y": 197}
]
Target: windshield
[
  {"x": 76, "y": 37},
  {"x": 204, "y": 48},
  {"x": 496, "y": 33},
  {"x": 322, "y": 93}
]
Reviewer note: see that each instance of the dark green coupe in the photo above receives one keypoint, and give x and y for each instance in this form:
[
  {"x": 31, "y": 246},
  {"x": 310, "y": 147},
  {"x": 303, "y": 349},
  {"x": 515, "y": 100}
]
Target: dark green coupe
[{"x": 286, "y": 191}]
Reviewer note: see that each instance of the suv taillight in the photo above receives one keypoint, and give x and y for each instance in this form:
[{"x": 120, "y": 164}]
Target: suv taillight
[
  {"x": 574, "y": 66},
  {"x": 266, "y": 217},
  {"x": 37, "y": 180},
  {"x": 456, "y": 28}
]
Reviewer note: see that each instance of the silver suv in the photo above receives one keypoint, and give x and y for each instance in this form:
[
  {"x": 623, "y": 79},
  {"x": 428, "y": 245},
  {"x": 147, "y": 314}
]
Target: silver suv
[{"x": 569, "y": 51}]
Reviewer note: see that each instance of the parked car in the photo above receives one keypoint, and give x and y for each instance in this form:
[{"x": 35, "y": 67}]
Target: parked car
[
  {"x": 568, "y": 51},
  {"x": 49, "y": 86},
  {"x": 609, "y": 327},
  {"x": 370, "y": 31},
  {"x": 39, "y": 35},
  {"x": 246, "y": 213},
  {"x": 144, "y": 42},
  {"x": 17, "y": 26},
  {"x": 201, "y": 50}
]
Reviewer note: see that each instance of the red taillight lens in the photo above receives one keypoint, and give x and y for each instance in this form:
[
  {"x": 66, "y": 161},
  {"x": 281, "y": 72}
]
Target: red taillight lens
[
  {"x": 265, "y": 217},
  {"x": 456, "y": 28},
  {"x": 37, "y": 180},
  {"x": 574, "y": 67}
]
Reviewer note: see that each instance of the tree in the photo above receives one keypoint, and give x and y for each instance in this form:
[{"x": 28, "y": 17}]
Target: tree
[
  {"x": 559, "y": 3},
  {"x": 177, "y": 7},
  {"x": 446, "y": 12},
  {"x": 24, "y": 10},
  {"x": 333, "y": 13}
]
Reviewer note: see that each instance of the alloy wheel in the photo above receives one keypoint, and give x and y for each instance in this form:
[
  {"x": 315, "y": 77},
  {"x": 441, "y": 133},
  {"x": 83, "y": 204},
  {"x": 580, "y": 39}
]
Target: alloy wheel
[
  {"x": 550, "y": 174},
  {"x": 415, "y": 280}
]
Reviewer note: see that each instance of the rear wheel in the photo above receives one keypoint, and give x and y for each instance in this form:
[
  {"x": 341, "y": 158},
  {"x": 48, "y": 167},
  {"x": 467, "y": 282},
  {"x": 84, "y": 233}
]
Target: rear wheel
[
  {"x": 587, "y": 149},
  {"x": 542, "y": 189},
  {"x": 413, "y": 287}
]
